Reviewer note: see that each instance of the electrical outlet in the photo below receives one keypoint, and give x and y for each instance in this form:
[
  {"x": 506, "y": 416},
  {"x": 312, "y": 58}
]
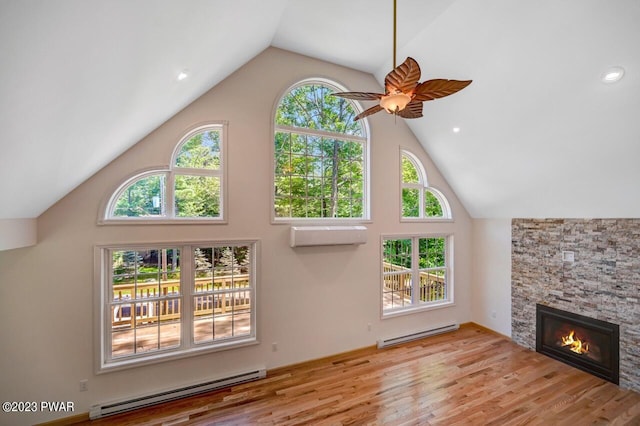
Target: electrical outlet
[
  {"x": 369, "y": 327},
  {"x": 274, "y": 347},
  {"x": 493, "y": 314},
  {"x": 84, "y": 385}
]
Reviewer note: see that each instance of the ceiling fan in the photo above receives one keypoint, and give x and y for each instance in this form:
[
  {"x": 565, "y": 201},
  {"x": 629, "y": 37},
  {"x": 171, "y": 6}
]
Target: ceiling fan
[{"x": 403, "y": 94}]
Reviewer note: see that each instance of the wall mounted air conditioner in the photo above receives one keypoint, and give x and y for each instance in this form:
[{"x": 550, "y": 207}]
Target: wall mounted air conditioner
[{"x": 302, "y": 236}]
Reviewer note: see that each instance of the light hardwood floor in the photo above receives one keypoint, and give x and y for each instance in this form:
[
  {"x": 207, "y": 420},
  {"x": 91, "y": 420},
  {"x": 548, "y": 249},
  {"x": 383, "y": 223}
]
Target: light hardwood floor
[{"x": 469, "y": 377}]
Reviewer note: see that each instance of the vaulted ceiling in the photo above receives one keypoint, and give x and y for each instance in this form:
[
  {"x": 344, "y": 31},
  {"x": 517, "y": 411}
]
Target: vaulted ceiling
[{"x": 540, "y": 134}]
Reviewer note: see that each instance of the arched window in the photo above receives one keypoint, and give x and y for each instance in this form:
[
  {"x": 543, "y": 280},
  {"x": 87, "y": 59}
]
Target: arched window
[
  {"x": 190, "y": 188},
  {"x": 320, "y": 155},
  {"x": 419, "y": 201},
  {"x": 197, "y": 174}
]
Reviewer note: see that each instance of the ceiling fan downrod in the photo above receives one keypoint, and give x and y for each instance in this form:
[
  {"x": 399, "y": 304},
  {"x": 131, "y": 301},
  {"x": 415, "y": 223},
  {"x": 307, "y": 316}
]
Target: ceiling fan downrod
[{"x": 394, "y": 31}]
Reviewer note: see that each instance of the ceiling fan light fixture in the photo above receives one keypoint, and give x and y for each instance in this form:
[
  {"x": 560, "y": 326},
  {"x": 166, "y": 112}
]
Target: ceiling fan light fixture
[
  {"x": 403, "y": 93},
  {"x": 394, "y": 103}
]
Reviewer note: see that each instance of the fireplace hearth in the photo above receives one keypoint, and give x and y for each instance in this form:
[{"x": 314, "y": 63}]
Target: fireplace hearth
[{"x": 586, "y": 343}]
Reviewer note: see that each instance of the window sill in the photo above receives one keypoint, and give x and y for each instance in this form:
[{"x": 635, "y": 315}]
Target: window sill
[
  {"x": 319, "y": 222},
  {"x": 174, "y": 355},
  {"x": 416, "y": 309},
  {"x": 426, "y": 219},
  {"x": 163, "y": 221}
]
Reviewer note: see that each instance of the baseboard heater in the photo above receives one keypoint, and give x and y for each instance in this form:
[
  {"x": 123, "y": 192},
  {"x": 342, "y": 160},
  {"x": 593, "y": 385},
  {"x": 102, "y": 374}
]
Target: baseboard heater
[
  {"x": 383, "y": 343},
  {"x": 103, "y": 410}
]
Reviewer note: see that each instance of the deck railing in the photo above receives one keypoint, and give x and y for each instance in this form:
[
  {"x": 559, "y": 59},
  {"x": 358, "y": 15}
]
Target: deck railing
[
  {"x": 152, "y": 302},
  {"x": 432, "y": 286}
]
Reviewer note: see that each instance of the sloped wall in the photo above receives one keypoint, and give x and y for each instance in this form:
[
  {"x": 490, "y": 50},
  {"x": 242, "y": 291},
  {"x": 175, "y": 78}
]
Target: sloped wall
[
  {"x": 603, "y": 282},
  {"x": 312, "y": 301}
]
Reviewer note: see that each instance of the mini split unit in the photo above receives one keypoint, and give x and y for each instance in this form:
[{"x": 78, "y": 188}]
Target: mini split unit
[{"x": 302, "y": 236}]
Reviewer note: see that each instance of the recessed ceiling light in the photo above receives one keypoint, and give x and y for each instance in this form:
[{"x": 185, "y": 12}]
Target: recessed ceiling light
[
  {"x": 456, "y": 130},
  {"x": 612, "y": 75},
  {"x": 182, "y": 75}
]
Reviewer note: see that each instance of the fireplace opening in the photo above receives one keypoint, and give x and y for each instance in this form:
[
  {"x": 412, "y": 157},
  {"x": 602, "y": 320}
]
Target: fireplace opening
[{"x": 586, "y": 343}]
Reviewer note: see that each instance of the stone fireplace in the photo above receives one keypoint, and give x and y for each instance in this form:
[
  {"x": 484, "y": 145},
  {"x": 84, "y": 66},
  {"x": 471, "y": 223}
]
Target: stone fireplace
[{"x": 589, "y": 267}]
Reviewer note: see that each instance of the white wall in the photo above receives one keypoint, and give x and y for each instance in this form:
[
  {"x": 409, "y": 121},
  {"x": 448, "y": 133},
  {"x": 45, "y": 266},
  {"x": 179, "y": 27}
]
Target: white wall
[
  {"x": 16, "y": 233},
  {"x": 312, "y": 301},
  {"x": 491, "y": 288}
]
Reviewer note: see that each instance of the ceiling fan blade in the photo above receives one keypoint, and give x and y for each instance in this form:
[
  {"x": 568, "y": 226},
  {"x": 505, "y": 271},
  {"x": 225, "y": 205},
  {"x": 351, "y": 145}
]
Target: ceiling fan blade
[
  {"x": 360, "y": 96},
  {"x": 404, "y": 77},
  {"x": 412, "y": 110},
  {"x": 368, "y": 112},
  {"x": 438, "y": 88}
]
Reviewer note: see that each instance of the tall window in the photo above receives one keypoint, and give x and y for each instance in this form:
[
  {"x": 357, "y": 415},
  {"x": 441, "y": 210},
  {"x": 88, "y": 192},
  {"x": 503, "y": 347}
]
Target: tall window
[
  {"x": 320, "y": 156},
  {"x": 166, "y": 300},
  {"x": 419, "y": 201},
  {"x": 416, "y": 273},
  {"x": 190, "y": 188}
]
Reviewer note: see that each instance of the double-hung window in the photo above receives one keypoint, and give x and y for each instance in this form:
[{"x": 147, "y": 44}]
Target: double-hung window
[
  {"x": 160, "y": 301},
  {"x": 416, "y": 273}
]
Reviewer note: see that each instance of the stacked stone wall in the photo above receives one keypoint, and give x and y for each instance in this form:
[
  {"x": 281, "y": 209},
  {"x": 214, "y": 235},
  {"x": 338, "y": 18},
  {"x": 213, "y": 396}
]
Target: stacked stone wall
[{"x": 602, "y": 282}]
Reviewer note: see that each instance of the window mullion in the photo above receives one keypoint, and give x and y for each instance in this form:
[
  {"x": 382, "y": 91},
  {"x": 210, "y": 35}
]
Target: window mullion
[
  {"x": 171, "y": 195},
  {"x": 415, "y": 270},
  {"x": 412, "y": 185},
  {"x": 187, "y": 274},
  {"x": 319, "y": 132},
  {"x": 196, "y": 172},
  {"x": 107, "y": 331},
  {"x": 448, "y": 274}
]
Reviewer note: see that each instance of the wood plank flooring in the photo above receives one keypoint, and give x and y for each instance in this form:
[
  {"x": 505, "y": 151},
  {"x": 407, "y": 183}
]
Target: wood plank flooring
[{"x": 468, "y": 377}]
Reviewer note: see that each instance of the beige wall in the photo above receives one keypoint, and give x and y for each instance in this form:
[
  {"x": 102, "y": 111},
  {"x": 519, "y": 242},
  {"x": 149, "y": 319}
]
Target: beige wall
[
  {"x": 16, "y": 233},
  {"x": 311, "y": 301},
  {"x": 491, "y": 289}
]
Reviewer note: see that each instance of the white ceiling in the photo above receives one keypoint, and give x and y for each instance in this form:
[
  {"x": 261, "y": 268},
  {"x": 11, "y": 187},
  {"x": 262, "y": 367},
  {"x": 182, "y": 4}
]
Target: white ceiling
[{"x": 541, "y": 135}]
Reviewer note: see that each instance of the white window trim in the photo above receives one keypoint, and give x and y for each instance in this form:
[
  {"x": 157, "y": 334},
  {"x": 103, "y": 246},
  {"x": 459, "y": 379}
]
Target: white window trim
[
  {"x": 188, "y": 347},
  {"x": 423, "y": 186},
  {"x": 449, "y": 268},
  {"x": 105, "y": 215},
  {"x": 366, "y": 142}
]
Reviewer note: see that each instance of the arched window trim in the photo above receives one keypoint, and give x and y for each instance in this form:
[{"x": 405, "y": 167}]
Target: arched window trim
[
  {"x": 170, "y": 171},
  {"x": 423, "y": 187},
  {"x": 115, "y": 195},
  {"x": 336, "y": 87},
  {"x": 365, "y": 139},
  {"x": 444, "y": 203}
]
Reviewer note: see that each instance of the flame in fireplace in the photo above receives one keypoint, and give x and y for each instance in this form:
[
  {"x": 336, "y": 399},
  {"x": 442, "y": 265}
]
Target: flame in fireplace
[{"x": 575, "y": 345}]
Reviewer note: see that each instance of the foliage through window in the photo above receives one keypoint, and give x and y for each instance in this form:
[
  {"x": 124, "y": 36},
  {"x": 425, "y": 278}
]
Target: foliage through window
[
  {"x": 419, "y": 201},
  {"x": 167, "y": 300},
  {"x": 142, "y": 197},
  {"x": 415, "y": 273},
  {"x": 190, "y": 188},
  {"x": 320, "y": 156}
]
